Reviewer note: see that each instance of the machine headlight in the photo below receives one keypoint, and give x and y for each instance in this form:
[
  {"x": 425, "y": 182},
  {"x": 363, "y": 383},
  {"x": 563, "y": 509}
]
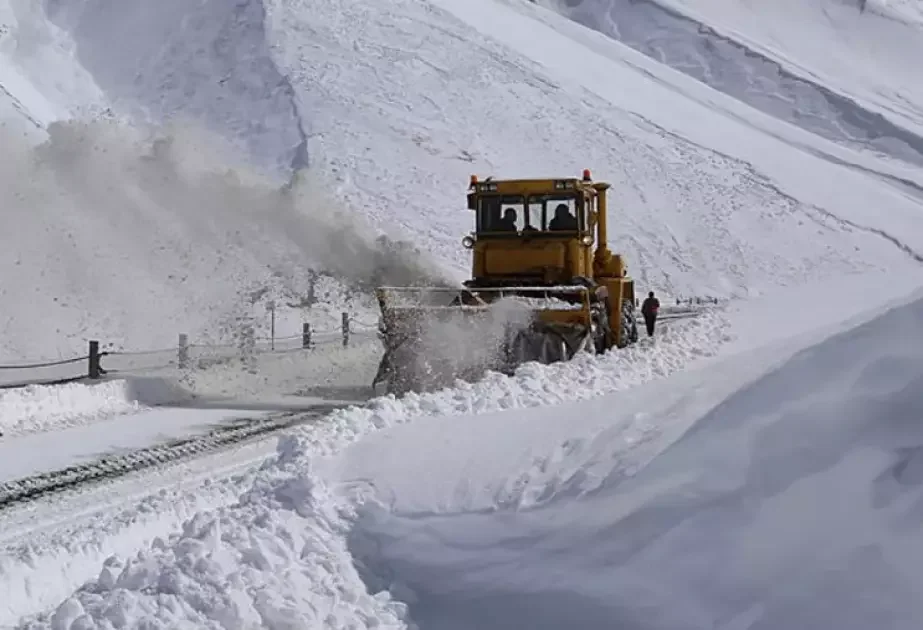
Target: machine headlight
[
  {"x": 468, "y": 242},
  {"x": 587, "y": 240}
]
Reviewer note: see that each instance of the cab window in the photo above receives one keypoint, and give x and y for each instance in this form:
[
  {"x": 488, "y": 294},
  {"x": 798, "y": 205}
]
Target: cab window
[
  {"x": 559, "y": 213},
  {"x": 501, "y": 213},
  {"x": 548, "y": 214}
]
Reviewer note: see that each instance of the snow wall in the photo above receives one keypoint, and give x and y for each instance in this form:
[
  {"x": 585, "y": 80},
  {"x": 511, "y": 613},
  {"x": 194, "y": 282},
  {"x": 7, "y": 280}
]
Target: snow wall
[{"x": 794, "y": 503}]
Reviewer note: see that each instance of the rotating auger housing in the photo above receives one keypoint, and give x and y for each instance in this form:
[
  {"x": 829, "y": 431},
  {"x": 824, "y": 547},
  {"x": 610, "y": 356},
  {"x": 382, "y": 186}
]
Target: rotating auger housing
[{"x": 544, "y": 287}]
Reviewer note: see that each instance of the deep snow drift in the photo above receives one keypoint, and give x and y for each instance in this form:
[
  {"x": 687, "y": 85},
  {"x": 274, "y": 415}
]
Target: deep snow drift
[
  {"x": 742, "y": 492},
  {"x": 277, "y": 553},
  {"x": 793, "y": 502}
]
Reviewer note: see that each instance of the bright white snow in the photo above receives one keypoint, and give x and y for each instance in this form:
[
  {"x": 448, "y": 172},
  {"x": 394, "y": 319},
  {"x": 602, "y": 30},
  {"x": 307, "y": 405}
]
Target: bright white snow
[
  {"x": 38, "y": 408},
  {"x": 792, "y": 502},
  {"x": 477, "y": 540},
  {"x": 866, "y": 56},
  {"x": 134, "y": 234},
  {"x": 823, "y": 66}
]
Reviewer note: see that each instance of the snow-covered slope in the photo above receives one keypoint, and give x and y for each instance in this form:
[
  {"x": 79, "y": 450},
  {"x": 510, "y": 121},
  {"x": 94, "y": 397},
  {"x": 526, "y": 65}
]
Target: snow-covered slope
[
  {"x": 845, "y": 74},
  {"x": 133, "y": 240},
  {"x": 39, "y": 80},
  {"x": 209, "y": 60}
]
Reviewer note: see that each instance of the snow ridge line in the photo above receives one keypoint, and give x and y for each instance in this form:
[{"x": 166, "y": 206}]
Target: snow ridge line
[
  {"x": 863, "y": 125},
  {"x": 173, "y": 451},
  {"x": 301, "y": 158}
]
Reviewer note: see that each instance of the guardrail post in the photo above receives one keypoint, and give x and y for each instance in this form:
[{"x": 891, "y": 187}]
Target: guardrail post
[
  {"x": 345, "y": 325},
  {"x": 182, "y": 353},
  {"x": 306, "y": 335},
  {"x": 93, "y": 369}
]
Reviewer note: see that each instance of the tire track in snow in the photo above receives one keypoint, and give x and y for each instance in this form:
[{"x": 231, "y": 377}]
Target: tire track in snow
[{"x": 23, "y": 490}]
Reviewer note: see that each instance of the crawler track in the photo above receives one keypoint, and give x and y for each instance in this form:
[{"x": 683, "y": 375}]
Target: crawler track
[{"x": 113, "y": 466}]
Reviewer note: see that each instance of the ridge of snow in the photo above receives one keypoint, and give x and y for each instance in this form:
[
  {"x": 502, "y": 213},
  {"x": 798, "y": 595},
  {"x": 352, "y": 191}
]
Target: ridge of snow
[
  {"x": 37, "y": 408},
  {"x": 722, "y": 498},
  {"x": 204, "y": 573}
]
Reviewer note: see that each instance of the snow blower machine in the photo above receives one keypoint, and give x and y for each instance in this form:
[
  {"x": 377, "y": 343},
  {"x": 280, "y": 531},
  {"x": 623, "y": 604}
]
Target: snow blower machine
[{"x": 544, "y": 287}]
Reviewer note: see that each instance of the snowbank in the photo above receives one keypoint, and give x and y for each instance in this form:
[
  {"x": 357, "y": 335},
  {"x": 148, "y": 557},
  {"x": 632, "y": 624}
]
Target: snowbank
[
  {"x": 280, "y": 555},
  {"x": 789, "y": 501},
  {"x": 39, "y": 408}
]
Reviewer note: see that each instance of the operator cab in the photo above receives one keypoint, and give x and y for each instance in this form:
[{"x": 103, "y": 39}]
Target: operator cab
[
  {"x": 530, "y": 208},
  {"x": 529, "y": 215}
]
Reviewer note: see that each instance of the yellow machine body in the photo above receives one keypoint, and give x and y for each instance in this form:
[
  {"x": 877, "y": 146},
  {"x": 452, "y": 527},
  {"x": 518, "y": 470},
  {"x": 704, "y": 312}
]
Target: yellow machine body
[{"x": 534, "y": 239}]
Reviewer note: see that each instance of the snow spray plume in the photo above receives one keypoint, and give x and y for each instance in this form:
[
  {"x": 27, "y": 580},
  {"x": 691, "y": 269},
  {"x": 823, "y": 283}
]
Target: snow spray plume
[
  {"x": 466, "y": 344},
  {"x": 127, "y": 231},
  {"x": 337, "y": 235},
  {"x": 186, "y": 171}
]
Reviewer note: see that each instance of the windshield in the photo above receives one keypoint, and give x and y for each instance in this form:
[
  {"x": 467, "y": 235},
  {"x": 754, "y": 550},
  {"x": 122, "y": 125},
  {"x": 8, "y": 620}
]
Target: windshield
[{"x": 538, "y": 213}]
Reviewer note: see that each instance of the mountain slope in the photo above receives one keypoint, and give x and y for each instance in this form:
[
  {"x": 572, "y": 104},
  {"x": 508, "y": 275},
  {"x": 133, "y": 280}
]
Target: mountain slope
[
  {"x": 209, "y": 60},
  {"x": 781, "y": 63},
  {"x": 689, "y": 217},
  {"x": 133, "y": 235}
]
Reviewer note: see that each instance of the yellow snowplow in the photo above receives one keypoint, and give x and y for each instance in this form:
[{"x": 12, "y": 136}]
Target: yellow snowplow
[{"x": 544, "y": 287}]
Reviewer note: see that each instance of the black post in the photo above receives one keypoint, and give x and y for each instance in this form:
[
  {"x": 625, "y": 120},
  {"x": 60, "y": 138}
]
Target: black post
[
  {"x": 93, "y": 370},
  {"x": 183, "y": 351},
  {"x": 345, "y": 329},
  {"x": 306, "y": 335},
  {"x": 272, "y": 325}
]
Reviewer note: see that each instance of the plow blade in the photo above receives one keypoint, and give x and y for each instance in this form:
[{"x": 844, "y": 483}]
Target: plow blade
[{"x": 433, "y": 336}]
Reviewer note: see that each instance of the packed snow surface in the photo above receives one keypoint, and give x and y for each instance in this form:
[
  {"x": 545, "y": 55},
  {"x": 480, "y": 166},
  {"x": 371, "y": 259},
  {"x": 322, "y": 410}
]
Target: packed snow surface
[
  {"x": 680, "y": 500},
  {"x": 273, "y": 542},
  {"x": 110, "y": 435},
  {"x": 786, "y": 500}
]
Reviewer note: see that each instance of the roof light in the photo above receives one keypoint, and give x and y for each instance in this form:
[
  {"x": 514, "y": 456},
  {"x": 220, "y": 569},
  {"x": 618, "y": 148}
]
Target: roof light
[{"x": 586, "y": 175}]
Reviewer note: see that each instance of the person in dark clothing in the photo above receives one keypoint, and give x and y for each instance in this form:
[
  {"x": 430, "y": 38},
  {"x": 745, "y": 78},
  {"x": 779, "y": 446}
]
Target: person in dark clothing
[
  {"x": 508, "y": 222},
  {"x": 563, "y": 219},
  {"x": 649, "y": 311}
]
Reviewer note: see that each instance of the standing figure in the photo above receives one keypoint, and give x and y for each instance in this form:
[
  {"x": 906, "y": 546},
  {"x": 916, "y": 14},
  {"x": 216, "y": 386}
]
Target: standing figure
[{"x": 649, "y": 310}]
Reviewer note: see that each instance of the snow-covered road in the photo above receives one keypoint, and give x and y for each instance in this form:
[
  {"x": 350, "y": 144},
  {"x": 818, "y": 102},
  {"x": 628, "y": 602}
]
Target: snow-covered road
[{"x": 132, "y": 229}]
